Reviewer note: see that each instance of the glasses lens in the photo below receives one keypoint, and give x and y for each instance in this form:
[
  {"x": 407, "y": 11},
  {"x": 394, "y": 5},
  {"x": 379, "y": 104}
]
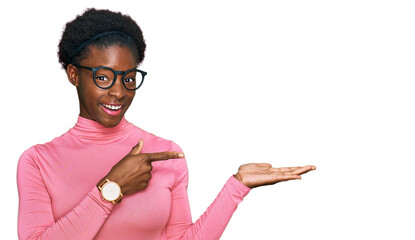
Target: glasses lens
[
  {"x": 133, "y": 79},
  {"x": 104, "y": 77}
]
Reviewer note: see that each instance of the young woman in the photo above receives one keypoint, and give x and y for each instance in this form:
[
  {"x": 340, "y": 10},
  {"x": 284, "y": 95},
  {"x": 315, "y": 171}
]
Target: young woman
[{"x": 106, "y": 178}]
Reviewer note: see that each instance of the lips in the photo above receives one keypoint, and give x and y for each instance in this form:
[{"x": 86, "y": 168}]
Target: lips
[{"x": 112, "y": 109}]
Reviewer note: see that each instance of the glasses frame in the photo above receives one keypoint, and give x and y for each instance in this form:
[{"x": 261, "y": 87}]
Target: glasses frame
[{"x": 116, "y": 73}]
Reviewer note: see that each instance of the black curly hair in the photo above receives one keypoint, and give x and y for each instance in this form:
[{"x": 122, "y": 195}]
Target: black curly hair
[{"x": 92, "y": 23}]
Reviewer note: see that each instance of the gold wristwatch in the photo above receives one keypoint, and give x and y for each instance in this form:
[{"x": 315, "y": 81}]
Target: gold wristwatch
[{"x": 110, "y": 191}]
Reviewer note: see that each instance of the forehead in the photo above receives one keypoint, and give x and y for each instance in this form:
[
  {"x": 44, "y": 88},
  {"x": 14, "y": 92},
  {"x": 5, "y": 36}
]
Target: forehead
[{"x": 116, "y": 57}]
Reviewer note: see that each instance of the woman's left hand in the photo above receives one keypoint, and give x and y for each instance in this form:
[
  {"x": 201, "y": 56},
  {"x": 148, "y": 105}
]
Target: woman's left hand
[{"x": 261, "y": 174}]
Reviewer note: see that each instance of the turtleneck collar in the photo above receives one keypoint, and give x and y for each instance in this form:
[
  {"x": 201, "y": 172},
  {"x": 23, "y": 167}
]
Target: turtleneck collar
[{"x": 86, "y": 129}]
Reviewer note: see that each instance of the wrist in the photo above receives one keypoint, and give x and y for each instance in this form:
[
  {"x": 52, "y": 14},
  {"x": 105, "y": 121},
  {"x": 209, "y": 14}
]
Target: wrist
[
  {"x": 100, "y": 182},
  {"x": 110, "y": 190},
  {"x": 238, "y": 177}
]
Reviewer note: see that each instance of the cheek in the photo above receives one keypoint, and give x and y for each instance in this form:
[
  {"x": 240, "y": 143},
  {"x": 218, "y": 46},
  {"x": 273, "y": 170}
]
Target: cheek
[
  {"x": 131, "y": 96},
  {"x": 89, "y": 95}
]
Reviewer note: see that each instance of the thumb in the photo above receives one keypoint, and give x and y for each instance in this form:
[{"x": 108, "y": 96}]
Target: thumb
[{"x": 137, "y": 148}]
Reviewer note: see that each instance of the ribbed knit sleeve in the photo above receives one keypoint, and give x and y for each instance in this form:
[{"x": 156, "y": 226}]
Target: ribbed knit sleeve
[
  {"x": 211, "y": 225},
  {"x": 35, "y": 219}
]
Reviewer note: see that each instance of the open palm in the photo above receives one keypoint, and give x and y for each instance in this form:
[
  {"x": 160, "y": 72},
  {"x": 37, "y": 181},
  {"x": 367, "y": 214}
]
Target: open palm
[{"x": 260, "y": 174}]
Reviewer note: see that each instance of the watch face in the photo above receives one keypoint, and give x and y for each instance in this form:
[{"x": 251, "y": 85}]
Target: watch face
[{"x": 111, "y": 191}]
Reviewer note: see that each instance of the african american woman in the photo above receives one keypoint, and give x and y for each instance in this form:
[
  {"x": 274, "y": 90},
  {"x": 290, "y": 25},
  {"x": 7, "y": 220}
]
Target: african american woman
[{"x": 106, "y": 178}]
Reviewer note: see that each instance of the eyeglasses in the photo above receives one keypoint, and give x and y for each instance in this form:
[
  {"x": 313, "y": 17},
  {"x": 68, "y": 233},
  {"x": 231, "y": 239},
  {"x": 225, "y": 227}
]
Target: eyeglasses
[{"x": 105, "y": 77}]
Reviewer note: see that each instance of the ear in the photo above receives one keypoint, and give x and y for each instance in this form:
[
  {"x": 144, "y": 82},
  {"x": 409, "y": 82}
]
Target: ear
[{"x": 73, "y": 76}]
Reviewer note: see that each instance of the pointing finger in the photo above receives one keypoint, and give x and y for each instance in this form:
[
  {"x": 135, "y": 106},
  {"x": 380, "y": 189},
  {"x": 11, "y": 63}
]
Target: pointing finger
[{"x": 161, "y": 156}]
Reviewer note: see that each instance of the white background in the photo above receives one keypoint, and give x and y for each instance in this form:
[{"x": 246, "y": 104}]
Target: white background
[{"x": 329, "y": 83}]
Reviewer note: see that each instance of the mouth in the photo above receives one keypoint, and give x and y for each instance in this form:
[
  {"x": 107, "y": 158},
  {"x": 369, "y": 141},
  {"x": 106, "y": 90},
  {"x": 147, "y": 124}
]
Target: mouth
[{"x": 112, "y": 109}]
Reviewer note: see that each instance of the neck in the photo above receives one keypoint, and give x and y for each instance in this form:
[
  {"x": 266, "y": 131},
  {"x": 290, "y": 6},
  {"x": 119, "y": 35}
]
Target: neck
[{"x": 91, "y": 131}]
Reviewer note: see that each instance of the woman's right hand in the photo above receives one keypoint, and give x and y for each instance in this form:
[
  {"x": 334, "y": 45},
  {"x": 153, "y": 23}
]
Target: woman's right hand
[{"x": 132, "y": 173}]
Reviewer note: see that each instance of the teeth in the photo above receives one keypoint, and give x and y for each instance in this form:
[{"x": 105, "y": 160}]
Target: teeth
[{"x": 112, "y": 107}]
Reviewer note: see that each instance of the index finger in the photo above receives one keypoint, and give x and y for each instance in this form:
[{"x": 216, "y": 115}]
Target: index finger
[{"x": 161, "y": 156}]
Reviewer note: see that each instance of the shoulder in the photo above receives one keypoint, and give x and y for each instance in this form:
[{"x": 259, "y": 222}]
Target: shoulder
[
  {"x": 28, "y": 164},
  {"x": 28, "y": 155},
  {"x": 152, "y": 142},
  {"x": 32, "y": 155}
]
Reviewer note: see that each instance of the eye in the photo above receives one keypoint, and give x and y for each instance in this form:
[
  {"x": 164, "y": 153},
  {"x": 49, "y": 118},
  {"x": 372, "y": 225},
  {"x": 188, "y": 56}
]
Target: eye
[
  {"x": 129, "y": 80},
  {"x": 102, "y": 78}
]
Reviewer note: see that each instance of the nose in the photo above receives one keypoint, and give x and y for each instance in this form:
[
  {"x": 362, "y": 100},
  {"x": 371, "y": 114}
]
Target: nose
[{"x": 117, "y": 90}]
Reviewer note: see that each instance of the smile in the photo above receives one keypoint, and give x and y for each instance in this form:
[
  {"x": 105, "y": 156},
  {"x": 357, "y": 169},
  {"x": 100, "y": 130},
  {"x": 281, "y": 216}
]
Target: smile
[
  {"x": 112, "y": 110},
  {"x": 112, "y": 107}
]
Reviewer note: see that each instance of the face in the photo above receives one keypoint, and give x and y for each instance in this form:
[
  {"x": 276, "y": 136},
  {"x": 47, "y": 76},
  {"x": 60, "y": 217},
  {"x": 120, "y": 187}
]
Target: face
[{"x": 105, "y": 106}]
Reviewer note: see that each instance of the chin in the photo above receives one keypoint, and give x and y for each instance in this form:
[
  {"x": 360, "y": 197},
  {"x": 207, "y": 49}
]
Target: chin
[{"x": 110, "y": 122}]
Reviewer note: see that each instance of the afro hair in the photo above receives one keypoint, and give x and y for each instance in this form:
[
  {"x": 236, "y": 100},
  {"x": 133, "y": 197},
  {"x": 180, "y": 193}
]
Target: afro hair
[{"x": 93, "y": 22}]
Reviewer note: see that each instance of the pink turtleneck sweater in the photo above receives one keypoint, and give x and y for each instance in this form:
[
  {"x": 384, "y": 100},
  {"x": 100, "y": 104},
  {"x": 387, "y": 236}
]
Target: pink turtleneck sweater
[{"x": 58, "y": 197}]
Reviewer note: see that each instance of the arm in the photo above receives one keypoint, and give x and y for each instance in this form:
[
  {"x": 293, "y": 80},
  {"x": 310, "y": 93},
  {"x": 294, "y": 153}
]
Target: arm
[
  {"x": 36, "y": 221},
  {"x": 214, "y": 221}
]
